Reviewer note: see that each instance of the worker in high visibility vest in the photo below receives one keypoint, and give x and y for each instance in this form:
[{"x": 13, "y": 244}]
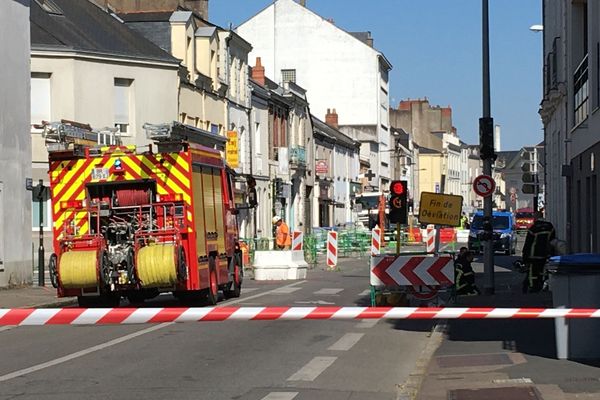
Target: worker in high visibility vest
[
  {"x": 536, "y": 250},
  {"x": 283, "y": 239}
]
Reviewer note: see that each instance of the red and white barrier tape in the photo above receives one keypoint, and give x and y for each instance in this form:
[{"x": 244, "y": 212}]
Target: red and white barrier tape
[{"x": 99, "y": 316}]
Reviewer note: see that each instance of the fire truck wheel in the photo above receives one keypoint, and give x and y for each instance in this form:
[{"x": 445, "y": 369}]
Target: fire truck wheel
[
  {"x": 182, "y": 273},
  {"x": 234, "y": 288},
  {"x": 213, "y": 287},
  {"x": 131, "y": 266},
  {"x": 105, "y": 270},
  {"x": 53, "y": 270}
]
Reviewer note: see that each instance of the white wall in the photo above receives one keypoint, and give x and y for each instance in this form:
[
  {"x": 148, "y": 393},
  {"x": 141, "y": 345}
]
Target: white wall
[
  {"x": 15, "y": 144},
  {"x": 337, "y": 70},
  {"x": 83, "y": 90},
  {"x": 327, "y": 60}
]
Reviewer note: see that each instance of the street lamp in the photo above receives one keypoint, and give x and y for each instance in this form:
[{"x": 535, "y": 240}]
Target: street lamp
[{"x": 536, "y": 28}]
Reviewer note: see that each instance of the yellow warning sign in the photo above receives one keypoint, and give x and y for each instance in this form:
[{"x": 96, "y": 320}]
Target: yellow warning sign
[
  {"x": 231, "y": 149},
  {"x": 440, "y": 209}
]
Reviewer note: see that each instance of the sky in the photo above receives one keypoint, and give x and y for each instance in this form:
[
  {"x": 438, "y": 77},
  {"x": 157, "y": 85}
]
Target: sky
[{"x": 435, "y": 49}]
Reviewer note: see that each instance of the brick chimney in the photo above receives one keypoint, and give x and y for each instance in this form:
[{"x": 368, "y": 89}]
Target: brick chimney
[
  {"x": 331, "y": 118},
  {"x": 258, "y": 73}
]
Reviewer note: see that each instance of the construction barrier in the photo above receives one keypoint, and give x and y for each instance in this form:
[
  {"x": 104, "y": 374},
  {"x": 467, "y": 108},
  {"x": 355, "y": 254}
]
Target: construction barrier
[
  {"x": 103, "y": 316},
  {"x": 332, "y": 249},
  {"x": 297, "y": 241},
  {"x": 376, "y": 241}
]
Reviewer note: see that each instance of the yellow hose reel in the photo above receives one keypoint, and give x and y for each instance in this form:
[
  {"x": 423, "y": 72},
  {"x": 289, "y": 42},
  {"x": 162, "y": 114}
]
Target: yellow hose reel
[
  {"x": 156, "y": 265},
  {"x": 77, "y": 269}
]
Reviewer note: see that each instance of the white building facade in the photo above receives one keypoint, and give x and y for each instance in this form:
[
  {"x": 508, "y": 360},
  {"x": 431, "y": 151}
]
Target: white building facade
[
  {"x": 15, "y": 146},
  {"x": 324, "y": 61}
]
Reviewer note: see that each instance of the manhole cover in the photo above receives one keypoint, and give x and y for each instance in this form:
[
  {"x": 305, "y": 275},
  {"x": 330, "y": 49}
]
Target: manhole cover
[
  {"x": 474, "y": 360},
  {"x": 512, "y": 393}
]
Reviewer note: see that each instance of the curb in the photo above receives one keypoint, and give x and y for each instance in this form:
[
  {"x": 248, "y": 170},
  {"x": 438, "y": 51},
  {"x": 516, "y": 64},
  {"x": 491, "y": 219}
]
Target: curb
[
  {"x": 55, "y": 303},
  {"x": 410, "y": 389}
]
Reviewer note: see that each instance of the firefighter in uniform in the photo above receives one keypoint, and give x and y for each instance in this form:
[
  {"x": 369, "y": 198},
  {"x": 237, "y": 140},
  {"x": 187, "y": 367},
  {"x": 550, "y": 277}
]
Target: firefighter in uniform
[
  {"x": 536, "y": 250},
  {"x": 465, "y": 276}
]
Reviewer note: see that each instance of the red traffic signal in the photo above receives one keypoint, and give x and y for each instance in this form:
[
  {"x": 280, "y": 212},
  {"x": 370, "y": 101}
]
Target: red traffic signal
[
  {"x": 398, "y": 202},
  {"x": 398, "y": 187}
]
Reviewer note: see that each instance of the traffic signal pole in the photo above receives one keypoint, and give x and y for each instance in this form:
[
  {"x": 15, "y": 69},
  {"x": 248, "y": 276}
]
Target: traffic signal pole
[{"x": 487, "y": 131}]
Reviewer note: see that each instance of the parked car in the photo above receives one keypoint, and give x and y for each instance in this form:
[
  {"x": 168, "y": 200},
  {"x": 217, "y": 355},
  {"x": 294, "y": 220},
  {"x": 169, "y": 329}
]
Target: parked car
[{"x": 504, "y": 235}]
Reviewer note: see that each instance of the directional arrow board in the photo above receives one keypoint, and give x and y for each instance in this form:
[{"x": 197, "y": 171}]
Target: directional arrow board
[{"x": 411, "y": 271}]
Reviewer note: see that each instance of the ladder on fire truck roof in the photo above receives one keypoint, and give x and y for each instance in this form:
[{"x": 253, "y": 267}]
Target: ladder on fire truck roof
[
  {"x": 60, "y": 135},
  {"x": 176, "y": 132}
]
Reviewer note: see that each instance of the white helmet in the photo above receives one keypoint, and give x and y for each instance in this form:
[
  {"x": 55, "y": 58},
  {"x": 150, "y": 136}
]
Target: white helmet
[{"x": 276, "y": 219}]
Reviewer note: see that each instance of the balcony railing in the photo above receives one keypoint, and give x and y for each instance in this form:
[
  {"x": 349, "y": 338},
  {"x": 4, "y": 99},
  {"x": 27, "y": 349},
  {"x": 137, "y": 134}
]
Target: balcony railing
[{"x": 298, "y": 156}]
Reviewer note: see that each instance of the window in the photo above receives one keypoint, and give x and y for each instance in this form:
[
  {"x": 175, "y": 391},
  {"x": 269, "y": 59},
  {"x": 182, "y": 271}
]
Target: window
[
  {"x": 580, "y": 86},
  {"x": 122, "y": 93},
  {"x": 50, "y": 7},
  {"x": 288, "y": 75},
  {"x": 40, "y": 97}
]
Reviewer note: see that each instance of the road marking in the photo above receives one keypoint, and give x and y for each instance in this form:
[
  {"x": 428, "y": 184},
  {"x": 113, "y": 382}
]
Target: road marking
[
  {"x": 280, "y": 396},
  {"x": 250, "y": 289},
  {"x": 113, "y": 342},
  {"x": 317, "y": 302},
  {"x": 365, "y": 292},
  {"x": 286, "y": 290},
  {"x": 228, "y": 302},
  {"x": 313, "y": 369},
  {"x": 367, "y": 323},
  {"x": 512, "y": 381},
  {"x": 346, "y": 342},
  {"x": 328, "y": 291},
  {"x": 81, "y": 353}
]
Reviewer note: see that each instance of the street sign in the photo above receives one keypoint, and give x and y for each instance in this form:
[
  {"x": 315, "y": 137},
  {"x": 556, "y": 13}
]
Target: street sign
[
  {"x": 232, "y": 149},
  {"x": 484, "y": 185},
  {"x": 440, "y": 209},
  {"x": 411, "y": 271}
]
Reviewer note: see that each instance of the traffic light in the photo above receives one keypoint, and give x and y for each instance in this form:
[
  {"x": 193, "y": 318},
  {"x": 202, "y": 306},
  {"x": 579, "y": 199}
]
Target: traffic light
[
  {"x": 398, "y": 202},
  {"x": 486, "y": 139},
  {"x": 278, "y": 188}
]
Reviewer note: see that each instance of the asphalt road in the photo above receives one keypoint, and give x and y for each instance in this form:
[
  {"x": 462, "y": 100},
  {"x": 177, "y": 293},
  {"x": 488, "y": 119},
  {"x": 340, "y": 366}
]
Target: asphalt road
[{"x": 256, "y": 360}]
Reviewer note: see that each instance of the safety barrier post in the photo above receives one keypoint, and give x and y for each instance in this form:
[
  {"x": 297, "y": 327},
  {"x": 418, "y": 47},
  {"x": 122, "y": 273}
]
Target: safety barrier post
[
  {"x": 297, "y": 241},
  {"x": 430, "y": 239},
  {"x": 376, "y": 241},
  {"x": 332, "y": 249}
]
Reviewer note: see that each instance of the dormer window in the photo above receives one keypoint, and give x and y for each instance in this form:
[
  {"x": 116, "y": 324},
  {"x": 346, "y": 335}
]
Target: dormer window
[{"x": 50, "y": 7}]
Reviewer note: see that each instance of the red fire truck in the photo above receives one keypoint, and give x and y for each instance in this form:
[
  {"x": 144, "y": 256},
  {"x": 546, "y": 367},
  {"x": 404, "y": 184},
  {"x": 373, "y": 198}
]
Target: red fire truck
[{"x": 134, "y": 222}]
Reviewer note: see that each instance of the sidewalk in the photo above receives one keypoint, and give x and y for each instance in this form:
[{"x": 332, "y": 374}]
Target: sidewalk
[
  {"x": 504, "y": 359},
  {"x": 33, "y": 296}
]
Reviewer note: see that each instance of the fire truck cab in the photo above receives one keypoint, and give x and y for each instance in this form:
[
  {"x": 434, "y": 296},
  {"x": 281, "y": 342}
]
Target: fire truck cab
[{"x": 133, "y": 222}]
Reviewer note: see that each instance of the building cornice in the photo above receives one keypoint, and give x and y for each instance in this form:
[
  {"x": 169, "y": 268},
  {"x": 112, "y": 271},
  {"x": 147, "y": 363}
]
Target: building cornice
[{"x": 92, "y": 56}]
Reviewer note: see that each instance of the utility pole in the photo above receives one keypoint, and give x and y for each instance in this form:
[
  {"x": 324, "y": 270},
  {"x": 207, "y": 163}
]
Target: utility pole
[
  {"x": 40, "y": 200},
  {"x": 486, "y": 138}
]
